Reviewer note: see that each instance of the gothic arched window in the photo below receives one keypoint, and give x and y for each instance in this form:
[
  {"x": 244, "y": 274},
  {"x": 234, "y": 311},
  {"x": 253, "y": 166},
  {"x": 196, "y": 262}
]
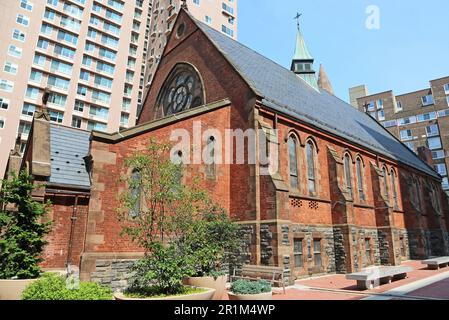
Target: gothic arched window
[
  {"x": 359, "y": 168},
  {"x": 348, "y": 175},
  {"x": 395, "y": 189},
  {"x": 136, "y": 194},
  {"x": 182, "y": 90},
  {"x": 385, "y": 181},
  {"x": 310, "y": 152},
  {"x": 293, "y": 156}
]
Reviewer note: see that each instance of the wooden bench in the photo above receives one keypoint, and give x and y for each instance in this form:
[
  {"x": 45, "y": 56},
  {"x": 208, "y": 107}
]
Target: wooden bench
[
  {"x": 274, "y": 275},
  {"x": 374, "y": 277},
  {"x": 436, "y": 263}
]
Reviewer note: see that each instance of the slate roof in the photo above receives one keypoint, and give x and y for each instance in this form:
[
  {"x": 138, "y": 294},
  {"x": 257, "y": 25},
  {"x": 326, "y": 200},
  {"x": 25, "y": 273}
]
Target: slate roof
[
  {"x": 285, "y": 92},
  {"x": 68, "y": 147}
]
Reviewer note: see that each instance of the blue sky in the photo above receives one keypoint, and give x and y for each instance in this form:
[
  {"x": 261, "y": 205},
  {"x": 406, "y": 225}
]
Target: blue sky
[{"x": 410, "y": 48}]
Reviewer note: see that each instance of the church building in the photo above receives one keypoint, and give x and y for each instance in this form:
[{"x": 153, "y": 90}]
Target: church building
[{"x": 347, "y": 194}]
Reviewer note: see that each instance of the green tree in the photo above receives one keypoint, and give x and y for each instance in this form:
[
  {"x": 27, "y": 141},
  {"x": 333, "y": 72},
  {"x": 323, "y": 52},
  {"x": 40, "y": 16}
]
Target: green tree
[{"x": 21, "y": 231}]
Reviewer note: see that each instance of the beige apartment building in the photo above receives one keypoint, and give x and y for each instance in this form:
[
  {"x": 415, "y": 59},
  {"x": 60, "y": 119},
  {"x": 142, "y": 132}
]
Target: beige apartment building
[
  {"x": 89, "y": 54},
  {"x": 418, "y": 119},
  {"x": 219, "y": 14}
]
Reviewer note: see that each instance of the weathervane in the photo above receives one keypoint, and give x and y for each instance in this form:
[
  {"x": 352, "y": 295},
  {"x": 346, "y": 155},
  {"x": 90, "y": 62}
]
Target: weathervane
[{"x": 298, "y": 16}]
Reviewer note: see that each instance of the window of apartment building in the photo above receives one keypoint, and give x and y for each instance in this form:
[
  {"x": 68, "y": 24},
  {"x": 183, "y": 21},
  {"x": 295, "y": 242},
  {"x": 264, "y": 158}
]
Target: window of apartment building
[
  {"x": 398, "y": 106},
  {"x": 103, "y": 82},
  {"x": 131, "y": 62},
  {"x": 438, "y": 154},
  {"x": 58, "y": 99},
  {"x": 81, "y": 90},
  {"x": 79, "y": 106},
  {"x": 56, "y": 116},
  {"x": 42, "y": 44},
  {"x": 10, "y": 67},
  {"x": 129, "y": 76},
  {"x": 227, "y": 30},
  {"x": 76, "y": 122},
  {"x": 389, "y": 124},
  {"x": 87, "y": 61},
  {"x": 445, "y": 183},
  {"x": 406, "y": 121},
  {"x": 447, "y": 100},
  {"x": 427, "y": 117},
  {"x": 139, "y": 3},
  {"x": 18, "y": 35},
  {"x": 126, "y": 104},
  {"x": 105, "y": 67},
  {"x": 297, "y": 252},
  {"x": 96, "y": 7},
  {"x": 90, "y": 47},
  {"x": 101, "y": 96},
  {"x": 84, "y": 75},
  {"x": 27, "y": 5},
  {"x": 6, "y": 85},
  {"x": 64, "y": 51},
  {"x": 368, "y": 259},
  {"x": 432, "y": 130},
  {"x": 14, "y": 51},
  {"x": 91, "y": 33},
  {"x": 441, "y": 169},
  {"x": 406, "y": 135},
  {"x": 62, "y": 67},
  {"x": 124, "y": 119},
  {"x": 116, "y": 4},
  {"x": 73, "y": 10},
  {"x": 28, "y": 109},
  {"x": 24, "y": 127},
  {"x": 49, "y": 14},
  {"x": 208, "y": 20},
  {"x": 317, "y": 252},
  {"x": 108, "y": 54},
  {"x": 58, "y": 82},
  {"x": 92, "y": 125},
  {"x": 46, "y": 29},
  {"x": 53, "y": 2},
  {"x": 380, "y": 104},
  {"x": 95, "y": 21},
  {"x": 67, "y": 37},
  {"x": 381, "y": 115},
  {"x": 114, "y": 16},
  {"x": 23, "y": 20},
  {"x": 443, "y": 113},
  {"x": 370, "y": 106},
  {"x": 70, "y": 23},
  {"x": 197, "y": 2},
  {"x": 434, "y": 143},
  {"x": 446, "y": 88},
  {"x": 112, "y": 28},
  {"x": 427, "y": 100},
  {"x": 32, "y": 93},
  {"x": 2, "y": 123},
  {"x": 4, "y": 103},
  {"x": 36, "y": 76}
]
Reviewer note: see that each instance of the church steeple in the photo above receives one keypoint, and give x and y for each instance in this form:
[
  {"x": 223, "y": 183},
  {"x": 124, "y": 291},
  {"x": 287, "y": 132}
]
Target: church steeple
[
  {"x": 324, "y": 82},
  {"x": 302, "y": 63}
]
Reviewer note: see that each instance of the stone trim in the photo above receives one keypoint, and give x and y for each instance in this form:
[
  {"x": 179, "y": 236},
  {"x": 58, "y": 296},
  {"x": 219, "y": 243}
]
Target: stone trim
[{"x": 153, "y": 125}]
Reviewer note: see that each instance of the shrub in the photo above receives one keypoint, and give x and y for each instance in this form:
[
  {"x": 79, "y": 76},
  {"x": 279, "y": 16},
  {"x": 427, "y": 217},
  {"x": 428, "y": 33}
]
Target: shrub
[
  {"x": 250, "y": 287},
  {"x": 52, "y": 286},
  {"x": 21, "y": 231}
]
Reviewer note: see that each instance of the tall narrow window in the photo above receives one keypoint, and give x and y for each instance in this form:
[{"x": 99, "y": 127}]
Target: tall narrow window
[
  {"x": 135, "y": 194},
  {"x": 385, "y": 181},
  {"x": 317, "y": 252},
  {"x": 418, "y": 195},
  {"x": 359, "y": 165},
  {"x": 395, "y": 189},
  {"x": 210, "y": 158},
  {"x": 292, "y": 147},
  {"x": 297, "y": 251},
  {"x": 311, "y": 167},
  {"x": 348, "y": 175}
]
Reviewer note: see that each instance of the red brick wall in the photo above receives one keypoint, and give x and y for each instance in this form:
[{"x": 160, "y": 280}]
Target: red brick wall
[{"x": 57, "y": 250}]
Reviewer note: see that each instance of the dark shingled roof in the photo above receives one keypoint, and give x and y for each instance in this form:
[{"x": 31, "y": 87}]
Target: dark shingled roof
[
  {"x": 68, "y": 148},
  {"x": 285, "y": 92}
]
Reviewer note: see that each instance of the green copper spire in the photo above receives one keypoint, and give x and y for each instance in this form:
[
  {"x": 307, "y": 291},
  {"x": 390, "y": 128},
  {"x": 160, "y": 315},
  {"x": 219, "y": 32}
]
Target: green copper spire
[
  {"x": 302, "y": 63},
  {"x": 301, "y": 52}
]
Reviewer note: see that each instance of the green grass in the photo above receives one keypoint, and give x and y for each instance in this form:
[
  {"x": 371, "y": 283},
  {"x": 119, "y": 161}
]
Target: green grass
[{"x": 151, "y": 293}]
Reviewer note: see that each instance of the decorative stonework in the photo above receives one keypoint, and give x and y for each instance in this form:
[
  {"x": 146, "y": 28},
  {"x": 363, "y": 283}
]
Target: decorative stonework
[{"x": 266, "y": 248}]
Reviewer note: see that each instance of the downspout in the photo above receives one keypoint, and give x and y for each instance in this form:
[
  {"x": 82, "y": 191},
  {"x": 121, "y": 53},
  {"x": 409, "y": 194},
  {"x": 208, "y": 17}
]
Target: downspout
[{"x": 73, "y": 219}]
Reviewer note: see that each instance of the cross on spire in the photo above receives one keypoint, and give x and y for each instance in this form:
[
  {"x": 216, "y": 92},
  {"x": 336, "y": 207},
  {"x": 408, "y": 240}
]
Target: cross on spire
[{"x": 297, "y": 17}]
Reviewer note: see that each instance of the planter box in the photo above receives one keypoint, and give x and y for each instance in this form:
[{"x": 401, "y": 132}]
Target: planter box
[
  {"x": 12, "y": 289},
  {"x": 218, "y": 284},
  {"x": 253, "y": 297},
  {"x": 190, "y": 297}
]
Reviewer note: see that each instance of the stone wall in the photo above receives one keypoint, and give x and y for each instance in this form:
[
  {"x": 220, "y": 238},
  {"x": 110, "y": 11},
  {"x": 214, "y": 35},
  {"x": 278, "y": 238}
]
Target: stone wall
[{"x": 113, "y": 273}]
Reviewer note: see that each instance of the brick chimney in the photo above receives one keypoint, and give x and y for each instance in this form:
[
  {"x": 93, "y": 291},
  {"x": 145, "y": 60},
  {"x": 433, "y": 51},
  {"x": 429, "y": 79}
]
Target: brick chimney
[{"x": 425, "y": 155}]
